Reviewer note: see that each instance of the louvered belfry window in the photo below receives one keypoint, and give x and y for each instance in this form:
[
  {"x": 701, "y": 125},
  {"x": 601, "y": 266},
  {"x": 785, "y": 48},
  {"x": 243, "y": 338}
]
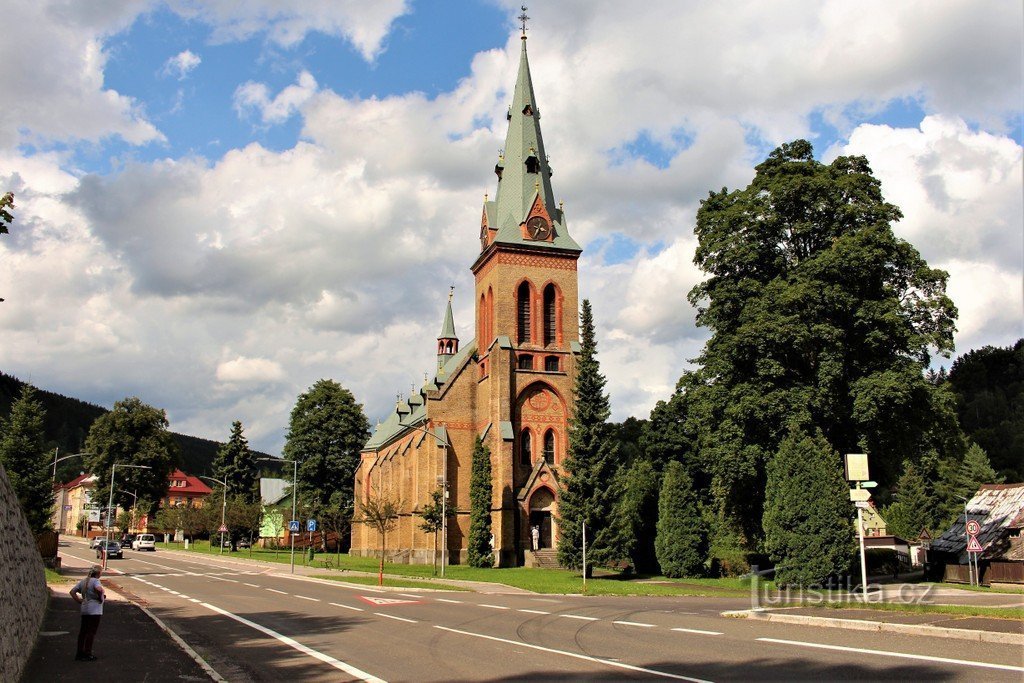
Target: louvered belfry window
[
  {"x": 549, "y": 315},
  {"x": 523, "y": 303}
]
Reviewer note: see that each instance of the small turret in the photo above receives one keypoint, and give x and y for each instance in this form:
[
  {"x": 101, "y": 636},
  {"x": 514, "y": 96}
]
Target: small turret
[{"x": 447, "y": 341}]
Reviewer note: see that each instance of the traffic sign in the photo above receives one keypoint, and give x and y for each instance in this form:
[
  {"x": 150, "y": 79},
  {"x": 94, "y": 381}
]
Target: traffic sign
[
  {"x": 973, "y": 527},
  {"x": 68, "y": 507},
  {"x": 862, "y": 504},
  {"x": 311, "y": 525},
  {"x": 223, "y": 529},
  {"x": 293, "y": 526},
  {"x": 924, "y": 535},
  {"x": 860, "y": 494},
  {"x": 973, "y": 546},
  {"x": 856, "y": 466}
]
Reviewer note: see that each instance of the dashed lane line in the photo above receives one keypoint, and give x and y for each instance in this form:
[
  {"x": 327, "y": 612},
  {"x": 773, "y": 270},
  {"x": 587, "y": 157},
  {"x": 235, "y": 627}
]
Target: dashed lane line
[
  {"x": 494, "y": 606},
  {"x": 250, "y": 585},
  {"x": 901, "y": 655},
  {"x": 392, "y": 616},
  {"x": 354, "y": 609},
  {"x": 410, "y": 595},
  {"x": 698, "y": 631},
  {"x": 633, "y": 623},
  {"x": 575, "y": 655},
  {"x": 578, "y": 616},
  {"x": 454, "y": 602},
  {"x": 303, "y": 597},
  {"x": 274, "y": 590},
  {"x": 533, "y": 611}
]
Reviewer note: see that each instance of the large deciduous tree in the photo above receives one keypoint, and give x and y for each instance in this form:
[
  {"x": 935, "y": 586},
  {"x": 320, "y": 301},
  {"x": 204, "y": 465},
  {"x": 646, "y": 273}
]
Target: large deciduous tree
[
  {"x": 27, "y": 464},
  {"x": 586, "y": 494},
  {"x": 326, "y": 432},
  {"x": 820, "y": 316},
  {"x": 807, "y": 512},
  {"x": 133, "y": 433},
  {"x": 480, "y": 495},
  {"x": 236, "y": 465}
]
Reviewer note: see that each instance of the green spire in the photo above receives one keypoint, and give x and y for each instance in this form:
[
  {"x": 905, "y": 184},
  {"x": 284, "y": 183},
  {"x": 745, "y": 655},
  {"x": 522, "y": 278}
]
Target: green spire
[
  {"x": 524, "y": 173},
  {"x": 448, "y": 328}
]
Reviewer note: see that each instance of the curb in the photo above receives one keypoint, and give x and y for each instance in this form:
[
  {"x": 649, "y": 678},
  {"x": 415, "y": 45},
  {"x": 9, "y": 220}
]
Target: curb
[{"x": 881, "y": 626}]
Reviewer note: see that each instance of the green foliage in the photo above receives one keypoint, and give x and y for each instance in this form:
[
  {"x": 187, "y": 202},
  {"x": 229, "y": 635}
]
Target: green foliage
[
  {"x": 242, "y": 517},
  {"x": 133, "y": 433},
  {"x": 433, "y": 514},
  {"x": 820, "y": 316},
  {"x": 23, "y": 456},
  {"x": 592, "y": 460},
  {"x": 480, "y": 496},
  {"x": 807, "y": 512},
  {"x": 664, "y": 437},
  {"x": 989, "y": 388},
  {"x": 236, "y": 464},
  {"x": 914, "y": 508},
  {"x": 326, "y": 432},
  {"x": 635, "y": 516},
  {"x": 682, "y": 542}
]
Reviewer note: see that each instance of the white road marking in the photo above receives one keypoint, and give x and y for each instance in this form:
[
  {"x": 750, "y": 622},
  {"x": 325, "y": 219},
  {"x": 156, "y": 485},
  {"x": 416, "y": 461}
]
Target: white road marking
[
  {"x": 392, "y": 616},
  {"x": 303, "y": 597},
  {"x": 250, "y": 585},
  {"x": 355, "y": 609},
  {"x": 194, "y": 600},
  {"x": 575, "y": 655},
  {"x": 408, "y": 595},
  {"x": 698, "y": 631},
  {"x": 633, "y": 623},
  {"x": 183, "y": 596},
  {"x": 577, "y": 616},
  {"x": 533, "y": 611},
  {"x": 494, "y": 606},
  {"x": 903, "y": 655},
  {"x": 173, "y": 592},
  {"x": 327, "y": 659},
  {"x": 454, "y": 602},
  {"x": 274, "y": 590}
]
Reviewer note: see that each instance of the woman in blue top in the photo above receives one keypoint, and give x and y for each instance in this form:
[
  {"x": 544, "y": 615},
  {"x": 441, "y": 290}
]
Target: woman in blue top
[{"x": 90, "y": 595}]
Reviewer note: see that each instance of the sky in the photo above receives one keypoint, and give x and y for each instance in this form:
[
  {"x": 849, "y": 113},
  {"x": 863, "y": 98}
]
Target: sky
[{"x": 219, "y": 203}]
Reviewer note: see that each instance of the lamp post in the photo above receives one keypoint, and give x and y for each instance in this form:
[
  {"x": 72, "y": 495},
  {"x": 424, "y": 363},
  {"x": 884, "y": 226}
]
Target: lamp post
[
  {"x": 295, "y": 478},
  {"x": 110, "y": 502},
  {"x": 53, "y": 481},
  {"x": 445, "y": 444},
  {"x": 223, "y": 506}
]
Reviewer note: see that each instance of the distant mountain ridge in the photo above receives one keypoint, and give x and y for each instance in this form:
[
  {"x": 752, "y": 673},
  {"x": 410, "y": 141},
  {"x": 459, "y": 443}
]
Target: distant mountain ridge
[{"x": 67, "y": 424}]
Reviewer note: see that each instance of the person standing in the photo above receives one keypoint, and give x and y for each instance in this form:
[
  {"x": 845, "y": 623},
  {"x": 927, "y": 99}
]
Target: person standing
[
  {"x": 535, "y": 536},
  {"x": 90, "y": 595}
]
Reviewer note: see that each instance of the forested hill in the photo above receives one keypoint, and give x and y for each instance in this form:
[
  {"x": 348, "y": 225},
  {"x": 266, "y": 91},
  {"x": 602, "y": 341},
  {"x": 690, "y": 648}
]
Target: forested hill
[{"x": 68, "y": 421}]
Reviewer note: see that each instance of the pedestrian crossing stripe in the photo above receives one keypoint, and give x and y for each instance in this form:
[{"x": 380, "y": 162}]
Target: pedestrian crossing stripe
[{"x": 387, "y": 601}]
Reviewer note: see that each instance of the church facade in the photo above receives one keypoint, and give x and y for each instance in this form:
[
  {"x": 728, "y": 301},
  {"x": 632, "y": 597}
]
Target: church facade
[{"x": 512, "y": 385}]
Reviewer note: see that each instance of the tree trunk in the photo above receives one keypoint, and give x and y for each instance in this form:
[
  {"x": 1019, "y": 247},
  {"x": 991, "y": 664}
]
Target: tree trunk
[{"x": 380, "y": 572}]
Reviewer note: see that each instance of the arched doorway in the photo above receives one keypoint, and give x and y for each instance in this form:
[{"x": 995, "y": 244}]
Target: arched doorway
[{"x": 542, "y": 507}]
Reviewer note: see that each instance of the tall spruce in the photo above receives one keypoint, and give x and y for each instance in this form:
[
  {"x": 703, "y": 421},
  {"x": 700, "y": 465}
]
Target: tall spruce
[
  {"x": 480, "y": 496},
  {"x": 326, "y": 432},
  {"x": 591, "y": 463},
  {"x": 818, "y": 314},
  {"x": 807, "y": 513},
  {"x": 27, "y": 464},
  {"x": 682, "y": 542},
  {"x": 236, "y": 464},
  {"x": 914, "y": 506}
]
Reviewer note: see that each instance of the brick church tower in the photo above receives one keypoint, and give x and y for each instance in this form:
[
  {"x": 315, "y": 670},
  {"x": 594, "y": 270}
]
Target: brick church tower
[{"x": 511, "y": 386}]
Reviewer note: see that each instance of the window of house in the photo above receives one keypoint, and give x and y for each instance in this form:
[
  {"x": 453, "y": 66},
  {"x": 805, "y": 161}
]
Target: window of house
[
  {"x": 549, "y": 447},
  {"x": 525, "y": 448},
  {"x": 549, "y": 315},
  {"x": 551, "y": 363},
  {"x": 523, "y": 305},
  {"x": 526, "y": 362}
]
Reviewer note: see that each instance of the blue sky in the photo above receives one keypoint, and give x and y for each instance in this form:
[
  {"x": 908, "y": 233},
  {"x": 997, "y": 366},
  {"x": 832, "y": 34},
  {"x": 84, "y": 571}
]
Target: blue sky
[{"x": 219, "y": 203}]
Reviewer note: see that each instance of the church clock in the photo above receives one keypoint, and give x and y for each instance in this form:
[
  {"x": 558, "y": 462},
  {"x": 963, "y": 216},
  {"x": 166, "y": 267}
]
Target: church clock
[{"x": 538, "y": 228}]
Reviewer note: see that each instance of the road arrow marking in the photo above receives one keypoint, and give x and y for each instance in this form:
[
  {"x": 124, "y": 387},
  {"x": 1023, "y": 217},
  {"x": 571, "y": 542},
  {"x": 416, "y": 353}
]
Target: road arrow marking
[{"x": 387, "y": 601}]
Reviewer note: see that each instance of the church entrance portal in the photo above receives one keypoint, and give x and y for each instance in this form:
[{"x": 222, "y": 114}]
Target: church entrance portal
[{"x": 541, "y": 506}]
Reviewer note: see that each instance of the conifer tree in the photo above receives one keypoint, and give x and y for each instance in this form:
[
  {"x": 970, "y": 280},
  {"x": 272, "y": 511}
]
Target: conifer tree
[
  {"x": 591, "y": 462},
  {"x": 807, "y": 512},
  {"x": 22, "y": 456},
  {"x": 236, "y": 464},
  {"x": 635, "y": 516},
  {"x": 914, "y": 506},
  {"x": 480, "y": 493},
  {"x": 681, "y": 543}
]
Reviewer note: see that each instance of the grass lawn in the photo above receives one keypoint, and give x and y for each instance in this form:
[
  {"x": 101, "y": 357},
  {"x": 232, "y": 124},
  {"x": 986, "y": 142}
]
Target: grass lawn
[
  {"x": 53, "y": 576},
  {"x": 1014, "y": 613},
  {"x": 389, "y": 582},
  {"x": 557, "y": 581}
]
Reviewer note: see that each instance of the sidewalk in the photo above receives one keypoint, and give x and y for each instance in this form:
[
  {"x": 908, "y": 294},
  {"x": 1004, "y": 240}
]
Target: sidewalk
[{"x": 129, "y": 644}]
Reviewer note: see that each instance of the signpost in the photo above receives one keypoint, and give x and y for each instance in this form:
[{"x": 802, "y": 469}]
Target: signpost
[
  {"x": 856, "y": 470},
  {"x": 293, "y": 526}
]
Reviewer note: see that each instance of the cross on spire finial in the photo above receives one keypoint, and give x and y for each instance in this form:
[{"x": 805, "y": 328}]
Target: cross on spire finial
[
  {"x": 451, "y": 291},
  {"x": 523, "y": 18}
]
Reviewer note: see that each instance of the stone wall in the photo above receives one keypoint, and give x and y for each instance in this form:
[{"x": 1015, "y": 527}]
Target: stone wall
[{"x": 22, "y": 586}]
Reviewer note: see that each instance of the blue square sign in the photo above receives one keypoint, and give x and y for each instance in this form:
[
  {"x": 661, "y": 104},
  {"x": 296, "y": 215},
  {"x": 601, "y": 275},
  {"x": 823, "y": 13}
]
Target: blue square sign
[
  {"x": 311, "y": 525},
  {"x": 293, "y": 526}
]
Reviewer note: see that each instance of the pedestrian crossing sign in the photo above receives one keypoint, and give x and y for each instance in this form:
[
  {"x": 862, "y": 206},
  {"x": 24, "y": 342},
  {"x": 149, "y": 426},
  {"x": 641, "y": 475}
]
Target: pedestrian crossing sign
[{"x": 293, "y": 526}]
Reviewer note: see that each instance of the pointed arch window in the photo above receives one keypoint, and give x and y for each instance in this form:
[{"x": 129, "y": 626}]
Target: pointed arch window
[
  {"x": 550, "y": 316},
  {"x": 526, "y": 362},
  {"x": 523, "y": 313},
  {"x": 549, "y": 447},
  {"x": 525, "y": 448}
]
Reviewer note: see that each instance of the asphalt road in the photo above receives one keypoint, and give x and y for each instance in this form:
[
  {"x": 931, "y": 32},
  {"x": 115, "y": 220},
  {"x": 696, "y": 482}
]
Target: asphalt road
[{"x": 257, "y": 624}]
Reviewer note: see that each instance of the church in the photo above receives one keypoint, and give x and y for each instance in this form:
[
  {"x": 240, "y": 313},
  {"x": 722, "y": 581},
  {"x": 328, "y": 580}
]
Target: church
[{"x": 512, "y": 385}]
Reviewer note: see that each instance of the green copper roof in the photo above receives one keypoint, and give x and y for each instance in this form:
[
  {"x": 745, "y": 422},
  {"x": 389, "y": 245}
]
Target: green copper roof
[
  {"x": 518, "y": 188},
  {"x": 448, "y": 328}
]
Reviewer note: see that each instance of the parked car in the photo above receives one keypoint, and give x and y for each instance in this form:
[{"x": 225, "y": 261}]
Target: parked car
[
  {"x": 112, "y": 548},
  {"x": 126, "y": 542},
  {"x": 144, "y": 542},
  {"x": 95, "y": 542}
]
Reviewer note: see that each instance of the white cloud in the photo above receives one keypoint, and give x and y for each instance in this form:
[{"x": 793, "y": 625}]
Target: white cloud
[
  {"x": 255, "y": 96},
  {"x": 245, "y": 370},
  {"x": 181, "y": 64}
]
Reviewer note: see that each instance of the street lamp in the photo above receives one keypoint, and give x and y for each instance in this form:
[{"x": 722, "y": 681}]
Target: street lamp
[
  {"x": 110, "y": 502},
  {"x": 53, "y": 481},
  {"x": 223, "y": 506},
  {"x": 62, "y": 459},
  {"x": 295, "y": 478},
  {"x": 442, "y": 443}
]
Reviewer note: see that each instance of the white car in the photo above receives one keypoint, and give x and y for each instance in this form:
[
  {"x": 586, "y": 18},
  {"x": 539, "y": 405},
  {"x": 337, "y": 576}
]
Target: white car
[{"x": 144, "y": 542}]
